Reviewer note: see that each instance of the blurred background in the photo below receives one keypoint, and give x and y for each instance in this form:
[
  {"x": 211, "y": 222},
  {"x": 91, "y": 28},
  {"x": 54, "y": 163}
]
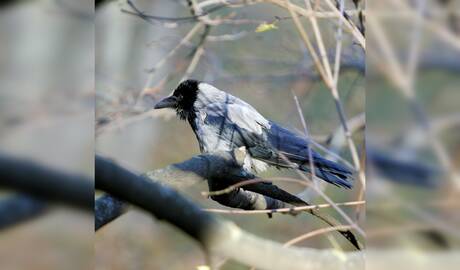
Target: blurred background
[
  {"x": 413, "y": 132},
  {"x": 47, "y": 116}
]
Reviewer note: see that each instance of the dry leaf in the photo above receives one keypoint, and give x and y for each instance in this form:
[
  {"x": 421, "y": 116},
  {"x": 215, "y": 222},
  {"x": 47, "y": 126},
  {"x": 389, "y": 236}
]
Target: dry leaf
[{"x": 263, "y": 27}]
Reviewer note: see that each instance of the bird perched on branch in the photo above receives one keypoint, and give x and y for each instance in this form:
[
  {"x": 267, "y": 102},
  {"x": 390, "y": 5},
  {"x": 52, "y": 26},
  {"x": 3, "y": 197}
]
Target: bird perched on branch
[{"x": 222, "y": 122}]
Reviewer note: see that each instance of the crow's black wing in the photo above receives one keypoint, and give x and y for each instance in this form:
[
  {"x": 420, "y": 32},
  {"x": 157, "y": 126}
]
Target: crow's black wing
[
  {"x": 237, "y": 125},
  {"x": 281, "y": 141}
]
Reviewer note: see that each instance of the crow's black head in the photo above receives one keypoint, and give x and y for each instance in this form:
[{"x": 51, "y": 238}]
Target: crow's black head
[{"x": 182, "y": 99}]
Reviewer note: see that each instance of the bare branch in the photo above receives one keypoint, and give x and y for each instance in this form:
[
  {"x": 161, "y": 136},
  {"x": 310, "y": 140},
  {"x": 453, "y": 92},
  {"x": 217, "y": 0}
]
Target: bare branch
[
  {"x": 314, "y": 233},
  {"x": 223, "y": 169},
  {"x": 283, "y": 210},
  {"x": 217, "y": 236},
  {"x": 44, "y": 183}
]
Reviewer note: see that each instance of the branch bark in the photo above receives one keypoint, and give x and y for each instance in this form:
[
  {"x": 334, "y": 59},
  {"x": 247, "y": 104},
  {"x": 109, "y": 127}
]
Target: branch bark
[
  {"x": 180, "y": 176},
  {"x": 222, "y": 170},
  {"x": 37, "y": 186},
  {"x": 215, "y": 235},
  {"x": 46, "y": 184},
  {"x": 19, "y": 208}
]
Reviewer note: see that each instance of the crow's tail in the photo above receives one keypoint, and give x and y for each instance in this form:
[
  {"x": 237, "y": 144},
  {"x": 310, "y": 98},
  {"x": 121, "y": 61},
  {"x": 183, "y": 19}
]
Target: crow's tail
[
  {"x": 331, "y": 172},
  {"x": 275, "y": 192}
]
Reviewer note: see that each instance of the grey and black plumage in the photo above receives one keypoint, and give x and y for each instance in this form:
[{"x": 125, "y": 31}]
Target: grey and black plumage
[{"x": 222, "y": 122}]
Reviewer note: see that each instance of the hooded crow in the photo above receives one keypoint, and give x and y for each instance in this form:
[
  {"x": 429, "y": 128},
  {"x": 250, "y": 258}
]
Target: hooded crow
[{"x": 222, "y": 122}]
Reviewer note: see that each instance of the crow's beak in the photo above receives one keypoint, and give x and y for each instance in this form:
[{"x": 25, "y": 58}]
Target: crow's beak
[{"x": 167, "y": 102}]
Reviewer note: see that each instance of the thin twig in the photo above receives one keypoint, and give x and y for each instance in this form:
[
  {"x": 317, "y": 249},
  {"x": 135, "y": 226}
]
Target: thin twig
[
  {"x": 319, "y": 41},
  {"x": 251, "y": 181},
  {"x": 197, "y": 54},
  {"x": 325, "y": 197},
  {"x": 338, "y": 49},
  {"x": 303, "y": 12},
  {"x": 349, "y": 24},
  {"x": 328, "y": 79},
  {"x": 332, "y": 154},
  {"x": 333, "y": 87},
  {"x": 184, "y": 41},
  {"x": 153, "y": 18},
  {"x": 314, "y": 180},
  {"x": 315, "y": 233},
  {"x": 306, "y": 39},
  {"x": 283, "y": 210},
  {"x": 307, "y": 138}
]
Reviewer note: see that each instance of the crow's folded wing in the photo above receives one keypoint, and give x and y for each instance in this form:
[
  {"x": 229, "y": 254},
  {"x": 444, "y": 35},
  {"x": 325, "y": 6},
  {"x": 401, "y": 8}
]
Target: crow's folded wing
[
  {"x": 239, "y": 124},
  {"x": 247, "y": 118},
  {"x": 296, "y": 149},
  {"x": 264, "y": 140},
  {"x": 242, "y": 125}
]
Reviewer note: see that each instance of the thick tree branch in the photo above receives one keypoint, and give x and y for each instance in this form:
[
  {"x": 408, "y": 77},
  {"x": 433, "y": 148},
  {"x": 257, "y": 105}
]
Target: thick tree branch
[
  {"x": 222, "y": 165},
  {"x": 46, "y": 184},
  {"x": 19, "y": 208},
  {"x": 222, "y": 170},
  {"x": 106, "y": 209},
  {"x": 216, "y": 235},
  {"x": 180, "y": 176},
  {"x": 37, "y": 186}
]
